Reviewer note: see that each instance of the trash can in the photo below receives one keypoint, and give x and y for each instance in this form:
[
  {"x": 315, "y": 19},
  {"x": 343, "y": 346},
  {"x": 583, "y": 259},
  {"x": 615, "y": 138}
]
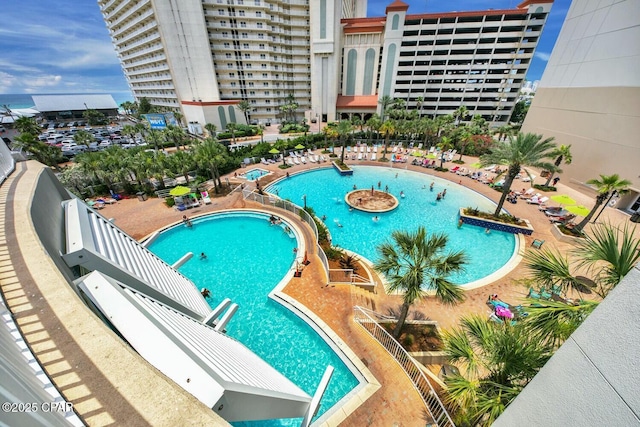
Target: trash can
[
  {"x": 141, "y": 196},
  {"x": 635, "y": 217}
]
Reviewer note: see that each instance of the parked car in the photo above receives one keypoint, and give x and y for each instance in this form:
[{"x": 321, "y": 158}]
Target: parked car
[{"x": 104, "y": 144}]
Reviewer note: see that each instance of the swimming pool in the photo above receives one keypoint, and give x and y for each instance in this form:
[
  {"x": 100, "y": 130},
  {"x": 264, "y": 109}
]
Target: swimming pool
[
  {"x": 246, "y": 259},
  {"x": 324, "y": 190},
  {"x": 254, "y": 174}
]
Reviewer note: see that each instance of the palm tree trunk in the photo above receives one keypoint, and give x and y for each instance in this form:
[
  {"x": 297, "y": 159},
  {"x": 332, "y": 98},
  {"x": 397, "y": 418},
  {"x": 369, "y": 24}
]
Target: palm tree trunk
[
  {"x": 506, "y": 188},
  {"x": 599, "y": 201},
  {"x": 386, "y": 143},
  {"x": 343, "y": 148},
  {"x": 403, "y": 316}
]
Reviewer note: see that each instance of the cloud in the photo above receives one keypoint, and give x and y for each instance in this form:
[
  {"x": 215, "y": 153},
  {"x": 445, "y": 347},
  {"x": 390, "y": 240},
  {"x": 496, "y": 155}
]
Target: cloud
[{"x": 543, "y": 56}]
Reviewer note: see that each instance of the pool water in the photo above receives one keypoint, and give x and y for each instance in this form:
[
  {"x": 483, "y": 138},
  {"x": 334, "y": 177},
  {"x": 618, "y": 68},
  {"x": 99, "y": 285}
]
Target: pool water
[
  {"x": 325, "y": 190},
  {"x": 254, "y": 174},
  {"x": 246, "y": 259}
]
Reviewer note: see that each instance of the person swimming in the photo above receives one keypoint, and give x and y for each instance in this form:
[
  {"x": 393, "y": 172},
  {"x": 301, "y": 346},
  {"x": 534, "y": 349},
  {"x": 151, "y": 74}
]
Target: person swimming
[
  {"x": 375, "y": 218},
  {"x": 402, "y": 194},
  {"x": 439, "y": 197},
  {"x": 431, "y": 186},
  {"x": 203, "y": 255}
]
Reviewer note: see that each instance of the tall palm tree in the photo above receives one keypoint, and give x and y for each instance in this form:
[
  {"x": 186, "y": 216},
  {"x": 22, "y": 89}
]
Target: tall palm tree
[
  {"x": 496, "y": 362},
  {"x": 384, "y": 102},
  {"x": 343, "y": 129},
  {"x": 609, "y": 253},
  {"x": 523, "y": 150},
  {"x": 231, "y": 127},
  {"x": 27, "y": 125},
  {"x": 42, "y": 152},
  {"x": 82, "y": 137},
  {"x": 373, "y": 124},
  {"x": 605, "y": 186},
  {"x": 387, "y": 128},
  {"x": 551, "y": 268},
  {"x": 563, "y": 153},
  {"x": 245, "y": 107},
  {"x": 419, "y": 103},
  {"x": 414, "y": 263},
  {"x": 460, "y": 114},
  {"x": 175, "y": 134}
]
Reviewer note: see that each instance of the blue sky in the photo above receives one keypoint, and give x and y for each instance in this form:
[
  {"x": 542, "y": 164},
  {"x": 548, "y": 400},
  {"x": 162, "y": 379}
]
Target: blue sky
[{"x": 67, "y": 49}]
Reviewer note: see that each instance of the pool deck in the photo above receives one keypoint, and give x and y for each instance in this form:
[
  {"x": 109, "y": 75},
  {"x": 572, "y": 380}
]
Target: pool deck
[{"x": 396, "y": 402}]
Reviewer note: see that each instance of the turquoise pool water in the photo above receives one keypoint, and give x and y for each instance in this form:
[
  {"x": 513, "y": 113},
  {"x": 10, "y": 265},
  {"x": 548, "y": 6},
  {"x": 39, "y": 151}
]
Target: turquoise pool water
[
  {"x": 325, "y": 190},
  {"x": 254, "y": 174},
  {"x": 246, "y": 258}
]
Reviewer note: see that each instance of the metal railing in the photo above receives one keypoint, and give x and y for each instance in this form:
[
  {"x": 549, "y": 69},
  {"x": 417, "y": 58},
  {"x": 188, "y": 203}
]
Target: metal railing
[
  {"x": 367, "y": 319},
  {"x": 7, "y": 163}
]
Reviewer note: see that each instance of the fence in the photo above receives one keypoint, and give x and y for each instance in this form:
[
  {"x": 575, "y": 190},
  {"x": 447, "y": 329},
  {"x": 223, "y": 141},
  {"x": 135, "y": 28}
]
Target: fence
[
  {"x": 7, "y": 163},
  {"x": 367, "y": 319}
]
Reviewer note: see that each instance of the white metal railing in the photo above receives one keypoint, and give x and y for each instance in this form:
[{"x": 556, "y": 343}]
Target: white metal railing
[
  {"x": 367, "y": 319},
  {"x": 7, "y": 163}
]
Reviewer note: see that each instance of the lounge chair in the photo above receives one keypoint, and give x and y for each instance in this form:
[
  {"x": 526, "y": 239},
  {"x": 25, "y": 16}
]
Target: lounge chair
[
  {"x": 359, "y": 156},
  {"x": 526, "y": 194},
  {"x": 544, "y": 294},
  {"x": 533, "y": 294},
  {"x": 303, "y": 160},
  {"x": 264, "y": 161},
  {"x": 537, "y": 200},
  {"x": 537, "y": 243},
  {"x": 290, "y": 161},
  {"x": 462, "y": 172},
  {"x": 454, "y": 169},
  {"x": 296, "y": 161},
  {"x": 562, "y": 219},
  {"x": 374, "y": 156},
  {"x": 205, "y": 197}
]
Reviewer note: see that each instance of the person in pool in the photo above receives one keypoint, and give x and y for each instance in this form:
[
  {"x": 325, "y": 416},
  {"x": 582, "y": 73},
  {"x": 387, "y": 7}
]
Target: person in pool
[
  {"x": 431, "y": 186},
  {"x": 203, "y": 255},
  {"x": 376, "y": 218}
]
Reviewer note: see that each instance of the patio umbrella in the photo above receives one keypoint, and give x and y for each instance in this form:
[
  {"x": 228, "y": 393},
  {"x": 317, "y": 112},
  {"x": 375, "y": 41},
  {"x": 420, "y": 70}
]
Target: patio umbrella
[
  {"x": 475, "y": 165},
  {"x": 274, "y": 151},
  {"x": 578, "y": 210},
  {"x": 180, "y": 190},
  {"x": 563, "y": 199},
  {"x": 299, "y": 147}
]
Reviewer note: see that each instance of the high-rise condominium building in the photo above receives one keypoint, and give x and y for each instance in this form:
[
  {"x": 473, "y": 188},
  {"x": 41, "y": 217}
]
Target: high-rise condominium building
[
  {"x": 204, "y": 57},
  {"x": 589, "y": 95}
]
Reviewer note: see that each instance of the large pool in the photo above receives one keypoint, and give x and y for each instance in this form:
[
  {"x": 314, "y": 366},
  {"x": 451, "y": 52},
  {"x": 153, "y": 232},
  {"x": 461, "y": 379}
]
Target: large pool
[
  {"x": 324, "y": 190},
  {"x": 246, "y": 259}
]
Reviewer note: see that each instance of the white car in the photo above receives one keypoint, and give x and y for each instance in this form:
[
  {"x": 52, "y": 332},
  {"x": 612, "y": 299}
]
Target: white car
[{"x": 104, "y": 144}]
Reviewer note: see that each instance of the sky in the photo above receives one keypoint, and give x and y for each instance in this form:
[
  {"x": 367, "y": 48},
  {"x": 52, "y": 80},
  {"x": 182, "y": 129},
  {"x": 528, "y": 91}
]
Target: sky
[{"x": 68, "y": 50}]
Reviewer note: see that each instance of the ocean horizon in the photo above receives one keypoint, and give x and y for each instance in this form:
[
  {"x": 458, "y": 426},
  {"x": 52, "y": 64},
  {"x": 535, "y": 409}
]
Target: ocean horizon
[{"x": 24, "y": 100}]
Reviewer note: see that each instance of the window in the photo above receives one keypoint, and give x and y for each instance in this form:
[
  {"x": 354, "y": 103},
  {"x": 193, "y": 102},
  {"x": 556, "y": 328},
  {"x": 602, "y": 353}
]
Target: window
[
  {"x": 243, "y": 24},
  {"x": 261, "y": 36},
  {"x": 259, "y": 14},
  {"x": 250, "y": 84},
  {"x": 229, "y": 65},
  {"x": 261, "y": 46},
  {"x": 263, "y": 56},
  {"x": 235, "y": 92},
  {"x": 252, "y": 92},
  {"x": 223, "y": 23},
  {"x": 220, "y": 11},
  {"x": 264, "y": 66},
  {"x": 225, "y": 34},
  {"x": 228, "y": 55},
  {"x": 240, "y": 1},
  {"x": 267, "y": 101},
  {"x": 259, "y": 24},
  {"x": 249, "y": 75},
  {"x": 245, "y": 35},
  {"x": 233, "y": 84},
  {"x": 241, "y": 13},
  {"x": 247, "y": 56},
  {"x": 253, "y": 101},
  {"x": 248, "y": 66},
  {"x": 245, "y": 45},
  {"x": 232, "y": 75},
  {"x": 269, "y": 110},
  {"x": 266, "y": 93},
  {"x": 257, "y": 2},
  {"x": 265, "y": 84},
  {"x": 227, "y": 45}
]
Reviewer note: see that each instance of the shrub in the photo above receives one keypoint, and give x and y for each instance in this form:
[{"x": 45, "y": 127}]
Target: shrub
[
  {"x": 170, "y": 202},
  {"x": 439, "y": 169},
  {"x": 544, "y": 187},
  {"x": 349, "y": 262},
  {"x": 332, "y": 253},
  {"x": 409, "y": 339},
  {"x": 458, "y": 162}
]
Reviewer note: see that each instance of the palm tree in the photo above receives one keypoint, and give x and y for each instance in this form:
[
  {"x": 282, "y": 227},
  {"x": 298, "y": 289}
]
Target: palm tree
[
  {"x": 27, "y": 125},
  {"x": 245, "y": 107},
  {"x": 414, "y": 263},
  {"x": 384, "y": 102},
  {"x": 445, "y": 144},
  {"x": 343, "y": 129},
  {"x": 563, "y": 153},
  {"x": 231, "y": 127},
  {"x": 609, "y": 253},
  {"x": 605, "y": 186},
  {"x": 496, "y": 362},
  {"x": 44, "y": 153},
  {"x": 211, "y": 154},
  {"x": 373, "y": 124},
  {"x": 82, "y": 137},
  {"x": 176, "y": 134},
  {"x": 460, "y": 114},
  {"x": 211, "y": 128},
  {"x": 387, "y": 128},
  {"x": 523, "y": 150},
  {"x": 550, "y": 268},
  {"x": 419, "y": 103}
]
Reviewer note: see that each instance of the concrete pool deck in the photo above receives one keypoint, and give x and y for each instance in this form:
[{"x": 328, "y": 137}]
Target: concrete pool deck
[{"x": 395, "y": 403}]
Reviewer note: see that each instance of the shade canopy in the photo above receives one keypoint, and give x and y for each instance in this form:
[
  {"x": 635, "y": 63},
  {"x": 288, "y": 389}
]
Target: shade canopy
[
  {"x": 180, "y": 190},
  {"x": 578, "y": 210},
  {"x": 563, "y": 199},
  {"x": 299, "y": 147},
  {"x": 274, "y": 151}
]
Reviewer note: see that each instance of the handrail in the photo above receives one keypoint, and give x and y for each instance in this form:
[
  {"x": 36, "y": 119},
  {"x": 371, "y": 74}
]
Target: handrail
[
  {"x": 432, "y": 402},
  {"x": 7, "y": 162}
]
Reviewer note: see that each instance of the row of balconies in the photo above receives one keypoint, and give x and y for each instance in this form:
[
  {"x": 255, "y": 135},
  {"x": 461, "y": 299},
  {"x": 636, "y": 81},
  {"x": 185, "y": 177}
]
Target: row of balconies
[
  {"x": 138, "y": 53},
  {"x": 152, "y": 78},
  {"x": 147, "y": 86},
  {"x": 117, "y": 30},
  {"x": 138, "y": 43},
  {"x": 155, "y": 68},
  {"x": 151, "y": 27},
  {"x": 138, "y": 10}
]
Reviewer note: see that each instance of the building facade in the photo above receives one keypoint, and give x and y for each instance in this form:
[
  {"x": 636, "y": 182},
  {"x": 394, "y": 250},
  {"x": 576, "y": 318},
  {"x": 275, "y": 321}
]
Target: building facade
[
  {"x": 324, "y": 57},
  {"x": 589, "y": 95}
]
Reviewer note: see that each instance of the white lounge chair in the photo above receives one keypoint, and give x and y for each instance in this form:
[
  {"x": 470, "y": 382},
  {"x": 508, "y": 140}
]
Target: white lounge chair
[
  {"x": 205, "y": 197},
  {"x": 296, "y": 161},
  {"x": 359, "y": 156},
  {"x": 303, "y": 160},
  {"x": 264, "y": 161},
  {"x": 374, "y": 156}
]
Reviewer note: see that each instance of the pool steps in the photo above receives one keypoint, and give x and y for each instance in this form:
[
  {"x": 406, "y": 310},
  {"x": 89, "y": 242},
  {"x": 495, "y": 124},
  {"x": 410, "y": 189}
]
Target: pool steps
[
  {"x": 216, "y": 312},
  {"x": 226, "y": 318},
  {"x": 186, "y": 257}
]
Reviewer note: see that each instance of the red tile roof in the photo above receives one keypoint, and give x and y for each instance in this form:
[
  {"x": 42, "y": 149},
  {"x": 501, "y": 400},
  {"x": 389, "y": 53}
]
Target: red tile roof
[{"x": 357, "y": 101}]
